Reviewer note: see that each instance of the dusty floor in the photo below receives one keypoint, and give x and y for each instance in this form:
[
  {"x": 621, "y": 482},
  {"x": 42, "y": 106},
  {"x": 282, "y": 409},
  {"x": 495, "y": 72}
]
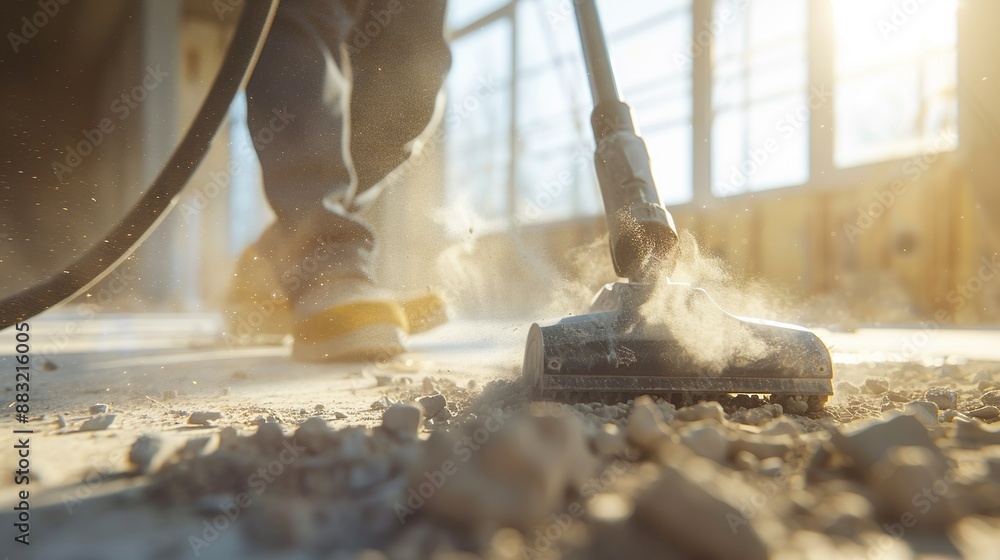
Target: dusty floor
[{"x": 489, "y": 474}]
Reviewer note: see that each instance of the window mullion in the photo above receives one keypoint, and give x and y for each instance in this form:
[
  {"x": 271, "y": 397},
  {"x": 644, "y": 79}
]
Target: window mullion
[
  {"x": 821, "y": 86},
  {"x": 701, "y": 109}
]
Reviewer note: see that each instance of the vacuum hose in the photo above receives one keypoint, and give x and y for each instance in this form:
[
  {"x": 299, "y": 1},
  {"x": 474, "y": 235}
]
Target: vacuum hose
[
  {"x": 143, "y": 218},
  {"x": 642, "y": 233}
]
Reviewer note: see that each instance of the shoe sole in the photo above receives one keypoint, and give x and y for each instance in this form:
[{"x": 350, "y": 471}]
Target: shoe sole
[{"x": 372, "y": 342}]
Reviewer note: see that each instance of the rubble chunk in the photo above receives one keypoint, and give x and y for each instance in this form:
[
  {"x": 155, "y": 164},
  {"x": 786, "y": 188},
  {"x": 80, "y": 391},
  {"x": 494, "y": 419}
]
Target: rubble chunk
[
  {"x": 403, "y": 419},
  {"x": 98, "y": 423},
  {"x": 706, "y": 439},
  {"x": 866, "y": 442},
  {"x": 382, "y": 404},
  {"x": 909, "y": 476},
  {"x": 944, "y": 398},
  {"x": 985, "y": 413},
  {"x": 846, "y": 388},
  {"x": 203, "y": 418},
  {"x": 876, "y": 385},
  {"x": 991, "y": 398},
  {"x": 151, "y": 451},
  {"x": 433, "y": 404},
  {"x": 924, "y": 411},
  {"x": 687, "y": 515},
  {"x": 701, "y": 411},
  {"x": 646, "y": 428}
]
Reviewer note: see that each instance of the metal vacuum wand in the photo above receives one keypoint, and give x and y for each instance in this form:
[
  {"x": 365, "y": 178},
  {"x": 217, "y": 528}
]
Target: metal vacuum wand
[{"x": 642, "y": 233}]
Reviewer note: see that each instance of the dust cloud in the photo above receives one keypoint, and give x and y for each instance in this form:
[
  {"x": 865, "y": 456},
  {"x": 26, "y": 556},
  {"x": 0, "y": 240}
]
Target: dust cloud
[{"x": 712, "y": 338}]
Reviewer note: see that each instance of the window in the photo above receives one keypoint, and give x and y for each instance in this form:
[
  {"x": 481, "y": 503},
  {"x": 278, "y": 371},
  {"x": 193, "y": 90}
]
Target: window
[
  {"x": 643, "y": 38},
  {"x": 545, "y": 172},
  {"x": 760, "y": 127},
  {"x": 895, "y": 70},
  {"x": 528, "y": 157},
  {"x": 477, "y": 122}
]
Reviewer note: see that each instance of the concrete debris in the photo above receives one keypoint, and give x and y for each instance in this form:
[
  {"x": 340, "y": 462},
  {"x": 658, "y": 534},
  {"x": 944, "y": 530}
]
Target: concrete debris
[
  {"x": 203, "y": 418},
  {"x": 771, "y": 467},
  {"x": 910, "y": 484},
  {"x": 926, "y": 412},
  {"x": 499, "y": 477},
  {"x": 876, "y": 386},
  {"x": 763, "y": 446},
  {"x": 433, "y": 404},
  {"x": 701, "y": 411},
  {"x": 646, "y": 427},
  {"x": 98, "y": 423},
  {"x": 991, "y": 398},
  {"x": 151, "y": 451},
  {"x": 707, "y": 526},
  {"x": 99, "y": 408},
  {"x": 382, "y": 404},
  {"x": 706, "y": 440},
  {"x": 846, "y": 388},
  {"x": 943, "y": 397},
  {"x": 985, "y": 413},
  {"x": 403, "y": 419},
  {"x": 757, "y": 416},
  {"x": 952, "y": 415},
  {"x": 865, "y": 443}
]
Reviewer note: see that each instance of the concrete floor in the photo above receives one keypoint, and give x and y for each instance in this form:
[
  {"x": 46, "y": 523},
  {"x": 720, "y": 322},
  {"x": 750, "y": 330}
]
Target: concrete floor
[{"x": 130, "y": 361}]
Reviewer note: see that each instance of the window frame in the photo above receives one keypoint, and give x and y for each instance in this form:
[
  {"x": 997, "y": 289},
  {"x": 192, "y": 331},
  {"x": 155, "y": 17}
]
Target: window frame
[{"x": 823, "y": 174}]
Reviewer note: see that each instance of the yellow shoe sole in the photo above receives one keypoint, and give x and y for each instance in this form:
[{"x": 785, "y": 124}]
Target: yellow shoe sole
[{"x": 351, "y": 332}]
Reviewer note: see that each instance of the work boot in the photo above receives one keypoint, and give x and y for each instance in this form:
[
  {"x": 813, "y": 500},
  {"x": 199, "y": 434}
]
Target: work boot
[
  {"x": 332, "y": 324},
  {"x": 256, "y": 308}
]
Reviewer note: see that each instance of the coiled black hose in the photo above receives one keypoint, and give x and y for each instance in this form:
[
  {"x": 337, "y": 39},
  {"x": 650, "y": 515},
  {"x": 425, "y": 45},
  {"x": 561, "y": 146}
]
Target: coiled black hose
[{"x": 149, "y": 211}]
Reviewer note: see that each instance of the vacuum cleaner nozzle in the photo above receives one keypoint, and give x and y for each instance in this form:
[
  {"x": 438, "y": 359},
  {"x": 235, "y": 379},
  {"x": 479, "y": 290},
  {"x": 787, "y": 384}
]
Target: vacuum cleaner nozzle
[{"x": 616, "y": 349}]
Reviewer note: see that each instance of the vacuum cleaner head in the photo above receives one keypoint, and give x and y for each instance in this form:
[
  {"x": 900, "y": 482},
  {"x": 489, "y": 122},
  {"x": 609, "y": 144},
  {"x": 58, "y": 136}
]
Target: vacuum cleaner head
[{"x": 620, "y": 347}]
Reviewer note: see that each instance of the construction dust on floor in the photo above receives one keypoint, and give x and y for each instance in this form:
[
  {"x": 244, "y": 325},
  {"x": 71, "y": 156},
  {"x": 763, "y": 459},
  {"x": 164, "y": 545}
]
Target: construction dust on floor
[{"x": 234, "y": 453}]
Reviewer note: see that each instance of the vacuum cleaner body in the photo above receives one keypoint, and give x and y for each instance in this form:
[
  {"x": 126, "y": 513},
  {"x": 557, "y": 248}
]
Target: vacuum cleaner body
[{"x": 626, "y": 344}]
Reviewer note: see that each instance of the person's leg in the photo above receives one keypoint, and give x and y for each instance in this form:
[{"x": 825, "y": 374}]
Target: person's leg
[
  {"x": 319, "y": 248},
  {"x": 398, "y": 61}
]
